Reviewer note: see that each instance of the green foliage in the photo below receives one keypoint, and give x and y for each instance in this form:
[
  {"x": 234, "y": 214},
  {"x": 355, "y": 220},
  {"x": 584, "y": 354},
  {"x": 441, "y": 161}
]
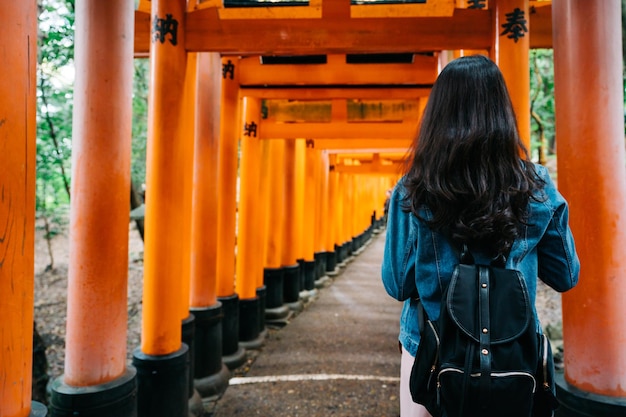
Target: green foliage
[
  {"x": 54, "y": 103},
  {"x": 140, "y": 121},
  {"x": 542, "y": 103}
]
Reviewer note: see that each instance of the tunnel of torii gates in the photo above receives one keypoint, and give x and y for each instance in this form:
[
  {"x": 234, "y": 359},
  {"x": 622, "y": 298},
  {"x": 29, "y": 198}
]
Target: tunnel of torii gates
[{"x": 322, "y": 102}]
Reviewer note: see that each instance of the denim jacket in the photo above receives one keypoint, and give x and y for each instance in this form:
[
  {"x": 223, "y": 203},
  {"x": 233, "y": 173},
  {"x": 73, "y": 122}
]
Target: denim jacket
[{"x": 418, "y": 260}]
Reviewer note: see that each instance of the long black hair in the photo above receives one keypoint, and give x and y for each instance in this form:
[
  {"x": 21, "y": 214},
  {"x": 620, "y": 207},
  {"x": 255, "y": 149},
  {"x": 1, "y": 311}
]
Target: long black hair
[{"x": 469, "y": 166}]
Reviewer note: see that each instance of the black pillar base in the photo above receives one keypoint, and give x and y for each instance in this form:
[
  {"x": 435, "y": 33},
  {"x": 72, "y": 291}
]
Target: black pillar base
[
  {"x": 114, "y": 398},
  {"x": 309, "y": 275},
  {"x": 236, "y": 359},
  {"x": 37, "y": 409},
  {"x": 249, "y": 332},
  {"x": 213, "y": 384},
  {"x": 291, "y": 288},
  {"x": 273, "y": 278},
  {"x": 233, "y": 355},
  {"x": 261, "y": 292},
  {"x": 209, "y": 376},
  {"x": 188, "y": 333},
  {"x": 342, "y": 252},
  {"x": 331, "y": 263},
  {"x": 162, "y": 388},
  {"x": 577, "y": 403}
]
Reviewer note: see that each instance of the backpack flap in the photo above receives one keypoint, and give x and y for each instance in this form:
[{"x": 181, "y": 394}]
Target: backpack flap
[{"x": 509, "y": 306}]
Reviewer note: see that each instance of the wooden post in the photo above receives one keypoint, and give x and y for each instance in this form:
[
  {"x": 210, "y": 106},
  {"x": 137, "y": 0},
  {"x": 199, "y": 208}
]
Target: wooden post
[
  {"x": 233, "y": 354},
  {"x": 272, "y": 204},
  {"x": 99, "y": 215},
  {"x": 511, "y": 52},
  {"x": 210, "y": 374},
  {"x": 98, "y": 264},
  {"x": 248, "y": 263},
  {"x": 18, "y": 29},
  {"x": 205, "y": 182},
  {"x": 332, "y": 241},
  {"x": 161, "y": 392},
  {"x": 591, "y": 175},
  {"x": 289, "y": 257}
]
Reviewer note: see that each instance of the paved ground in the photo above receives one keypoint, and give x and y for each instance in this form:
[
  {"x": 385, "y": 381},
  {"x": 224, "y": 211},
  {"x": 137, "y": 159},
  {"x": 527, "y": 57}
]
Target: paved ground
[{"x": 339, "y": 357}]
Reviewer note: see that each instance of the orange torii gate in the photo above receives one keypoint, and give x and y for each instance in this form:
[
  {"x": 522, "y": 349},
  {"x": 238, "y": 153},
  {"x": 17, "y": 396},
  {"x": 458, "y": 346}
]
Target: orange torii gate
[{"x": 591, "y": 174}]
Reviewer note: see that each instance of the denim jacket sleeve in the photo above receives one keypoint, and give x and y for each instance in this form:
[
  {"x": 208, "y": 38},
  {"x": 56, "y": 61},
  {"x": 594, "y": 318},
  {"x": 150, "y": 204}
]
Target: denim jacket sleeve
[
  {"x": 398, "y": 266},
  {"x": 558, "y": 264}
]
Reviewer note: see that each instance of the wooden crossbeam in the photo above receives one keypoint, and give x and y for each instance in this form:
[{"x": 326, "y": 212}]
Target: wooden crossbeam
[
  {"x": 308, "y": 93},
  {"x": 421, "y": 72},
  {"x": 206, "y": 31},
  {"x": 337, "y": 130},
  {"x": 361, "y": 145}
]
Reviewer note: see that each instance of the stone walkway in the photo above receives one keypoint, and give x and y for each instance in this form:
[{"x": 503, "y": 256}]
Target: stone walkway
[{"x": 339, "y": 357}]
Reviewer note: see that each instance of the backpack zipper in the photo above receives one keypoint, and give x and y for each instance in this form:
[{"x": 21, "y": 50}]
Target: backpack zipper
[{"x": 493, "y": 374}]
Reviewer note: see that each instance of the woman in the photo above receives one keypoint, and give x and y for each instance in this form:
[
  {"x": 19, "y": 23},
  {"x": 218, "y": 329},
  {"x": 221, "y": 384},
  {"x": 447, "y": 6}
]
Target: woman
[{"x": 470, "y": 181}]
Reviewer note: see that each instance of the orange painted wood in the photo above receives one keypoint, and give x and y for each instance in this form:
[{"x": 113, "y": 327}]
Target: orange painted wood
[
  {"x": 331, "y": 218},
  {"x": 466, "y": 29},
  {"x": 512, "y": 59},
  {"x": 335, "y": 9},
  {"x": 363, "y": 145},
  {"x": 262, "y": 206},
  {"x": 95, "y": 350},
  {"x": 275, "y": 203},
  {"x": 227, "y": 179},
  {"x": 540, "y": 24},
  {"x": 18, "y": 29},
  {"x": 310, "y": 206},
  {"x": 204, "y": 215},
  {"x": 300, "y": 198},
  {"x": 591, "y": 175},
  {"x": 186, "y": 139},
  {"x": 162, "y": 296},
  {"x": 323, "y": 203},
  {"x": 290, "y": 235},
  {"x": 422, "y": 71},
  {"x": 229, "y": 32},
  {"x": 249, "y": 256},
  {"x": 339, "y": 130},
  {"x": 330, "y": 92}
]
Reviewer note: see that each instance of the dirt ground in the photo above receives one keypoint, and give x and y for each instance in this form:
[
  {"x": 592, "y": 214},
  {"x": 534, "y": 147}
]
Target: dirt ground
[{"x": 51, "y": 293}]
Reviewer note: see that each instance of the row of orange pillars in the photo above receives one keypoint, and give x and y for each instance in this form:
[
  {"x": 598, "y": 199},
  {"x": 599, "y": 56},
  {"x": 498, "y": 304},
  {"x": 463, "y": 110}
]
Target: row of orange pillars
[
  {"x": 97, "y": 380},
  {"x": 215, "y": 267},
  {"x": 245, "y": 238},
  {"x": 299, "y": 222}
]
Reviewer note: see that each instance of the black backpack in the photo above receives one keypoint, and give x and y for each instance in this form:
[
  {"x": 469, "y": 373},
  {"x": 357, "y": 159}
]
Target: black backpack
[{"x": 483, "y": 357}]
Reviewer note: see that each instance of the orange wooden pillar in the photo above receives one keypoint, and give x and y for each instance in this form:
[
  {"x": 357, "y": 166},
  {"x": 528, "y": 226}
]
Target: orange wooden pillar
[
  {"x": 18, "y": 29},
  {"x": 342, "y": 253},
  {"x": 274, "y": 191},
  {"x": 309, "y": 213},
  {"x": 185, "y": 136},
  {"x": 307, "y": 286},
  {"x": 289, "y": 258},
  {"x": 591, "y": 175},
  {"x": 510, "y": 52},
  {"x": 210, "y": 374},
  {"x": 348, "y": 215},
  {"x": 233, "y": 355},
  {"x": 318, "y": 232},
  {"x": 332, "y": 236},
  {"x": 248, "y": 256},
  {"x": 99, "y": 216},
  {"x": 162, "y": 362}
]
